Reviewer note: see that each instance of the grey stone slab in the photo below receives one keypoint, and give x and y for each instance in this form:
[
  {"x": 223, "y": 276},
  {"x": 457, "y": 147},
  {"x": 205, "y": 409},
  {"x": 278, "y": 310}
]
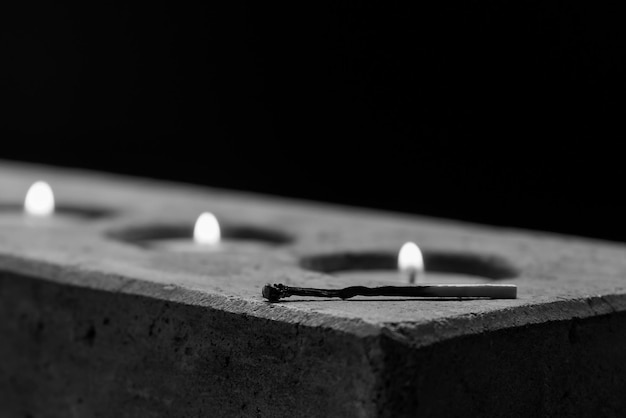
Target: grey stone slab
[{"x": 97, "y": 326}]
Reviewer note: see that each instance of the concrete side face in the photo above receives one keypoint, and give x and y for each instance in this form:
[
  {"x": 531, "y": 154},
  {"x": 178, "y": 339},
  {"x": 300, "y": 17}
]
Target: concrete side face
[
  {"x": 70, "y": 351},
  {"x": 574, "y": 368}
]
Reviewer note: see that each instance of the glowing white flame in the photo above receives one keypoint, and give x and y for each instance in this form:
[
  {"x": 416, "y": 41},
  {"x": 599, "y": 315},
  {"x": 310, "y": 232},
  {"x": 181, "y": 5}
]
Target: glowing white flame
[
  {"x": 207, "y": 229},
  {"x": 411, "y": 261},
  {"x": 39, "y": 199}
]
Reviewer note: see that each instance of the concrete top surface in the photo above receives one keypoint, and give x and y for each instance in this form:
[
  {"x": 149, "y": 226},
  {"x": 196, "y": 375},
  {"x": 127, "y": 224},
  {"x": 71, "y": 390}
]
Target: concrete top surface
[{"x": 560, "y": 277}]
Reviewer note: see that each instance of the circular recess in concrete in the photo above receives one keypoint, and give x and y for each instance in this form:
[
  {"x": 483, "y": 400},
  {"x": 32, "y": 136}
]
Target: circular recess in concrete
[
  {"x": 488, "y": 266},
  {"x": 74, "y": 211},
  {"x": 147, "y": 235}
]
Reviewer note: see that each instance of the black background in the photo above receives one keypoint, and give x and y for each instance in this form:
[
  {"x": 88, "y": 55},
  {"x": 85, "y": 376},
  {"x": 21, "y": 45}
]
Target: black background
[{"x": 500, "y": 112}]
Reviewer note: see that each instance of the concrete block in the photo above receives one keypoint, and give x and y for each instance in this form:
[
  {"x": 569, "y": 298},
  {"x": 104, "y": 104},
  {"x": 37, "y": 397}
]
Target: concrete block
[{"x": 96, "y": 323}]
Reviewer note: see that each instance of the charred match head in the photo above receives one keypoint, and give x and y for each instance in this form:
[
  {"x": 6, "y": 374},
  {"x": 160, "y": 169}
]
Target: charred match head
[{"x": 272, "y": 292}]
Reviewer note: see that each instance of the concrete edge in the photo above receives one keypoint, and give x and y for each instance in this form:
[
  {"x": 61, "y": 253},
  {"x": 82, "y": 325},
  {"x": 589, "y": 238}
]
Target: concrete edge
[
  {"x": 422, "y": 334},
  {"x": 415, "y": 334}
]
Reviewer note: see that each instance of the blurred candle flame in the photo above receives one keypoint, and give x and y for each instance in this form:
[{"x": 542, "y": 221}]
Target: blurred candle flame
[
  {"x": 207, "y": 229},
  {"x": 411, "y": 261},
  {"x": 39, "y": 199}
]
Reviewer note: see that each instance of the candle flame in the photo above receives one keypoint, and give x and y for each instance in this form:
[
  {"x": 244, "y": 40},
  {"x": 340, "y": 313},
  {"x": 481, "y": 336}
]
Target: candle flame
[
  {"x": 39, "y": 199},
  {"x": 207, "y": 229},
  {"x": 411, "y": 261}
]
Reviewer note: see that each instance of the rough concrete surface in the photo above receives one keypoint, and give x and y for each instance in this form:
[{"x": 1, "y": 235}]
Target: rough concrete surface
[{"x": 95, "y": 325}]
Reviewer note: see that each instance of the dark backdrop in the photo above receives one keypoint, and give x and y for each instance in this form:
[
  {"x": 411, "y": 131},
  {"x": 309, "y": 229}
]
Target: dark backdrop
[{"x": 495, "y": 111}]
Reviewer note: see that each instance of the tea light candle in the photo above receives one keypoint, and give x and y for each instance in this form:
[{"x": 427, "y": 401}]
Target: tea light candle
[
  {"x": 411, "y": 261},
  {"x": 39, "y": 201},
  {"x": 411, "y": 270},
  {"x": 205, "y": 238},
  {"x": 39, "y": 210},
  {"x": 377, "y": 269}
]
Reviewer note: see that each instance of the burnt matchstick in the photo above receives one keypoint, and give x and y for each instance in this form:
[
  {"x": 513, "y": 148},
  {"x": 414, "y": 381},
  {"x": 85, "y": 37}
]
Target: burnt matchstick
[{"x": 275, "y": 292}]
